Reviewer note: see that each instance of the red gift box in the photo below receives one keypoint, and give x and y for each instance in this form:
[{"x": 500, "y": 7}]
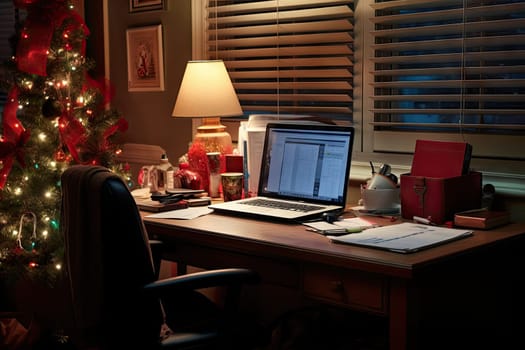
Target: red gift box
[{"x": 439, "y": 198}]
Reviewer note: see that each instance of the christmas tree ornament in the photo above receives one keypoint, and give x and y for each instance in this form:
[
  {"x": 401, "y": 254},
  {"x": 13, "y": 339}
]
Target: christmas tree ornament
[
  {"x": 60, "y": 156},
  {"x": 30, "y": 244}
]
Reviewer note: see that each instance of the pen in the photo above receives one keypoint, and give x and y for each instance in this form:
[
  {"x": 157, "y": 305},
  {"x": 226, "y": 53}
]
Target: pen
[
  {"x": 422, "y": 220},
  {"x": 339, "y": 231}
]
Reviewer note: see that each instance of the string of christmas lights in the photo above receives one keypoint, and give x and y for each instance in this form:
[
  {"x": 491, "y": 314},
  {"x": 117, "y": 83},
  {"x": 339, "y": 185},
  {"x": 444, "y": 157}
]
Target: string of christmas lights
[{"x": 56, "y": 115}]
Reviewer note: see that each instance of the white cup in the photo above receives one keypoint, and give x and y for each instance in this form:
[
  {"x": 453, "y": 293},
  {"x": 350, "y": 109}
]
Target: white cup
[
  {"x": 379, "y": 181},
  {"x": 381, "y": 199}
]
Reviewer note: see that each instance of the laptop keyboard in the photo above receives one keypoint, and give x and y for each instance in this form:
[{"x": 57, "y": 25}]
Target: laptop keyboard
[{"x": 261, "y": 202}]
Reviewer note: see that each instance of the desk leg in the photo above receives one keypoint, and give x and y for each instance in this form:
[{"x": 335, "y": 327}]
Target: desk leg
[{"x": 402, "y": 320}]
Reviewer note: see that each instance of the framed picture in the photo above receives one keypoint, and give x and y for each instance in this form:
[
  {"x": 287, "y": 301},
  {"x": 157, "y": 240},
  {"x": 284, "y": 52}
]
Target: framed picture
[
  {"x": 145, "y": 5},
  {"x": 145, "y": 58}
]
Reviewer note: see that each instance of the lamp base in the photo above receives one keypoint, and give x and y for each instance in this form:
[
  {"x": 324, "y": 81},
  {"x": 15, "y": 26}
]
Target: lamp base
[{"x": 213, "y": 135}]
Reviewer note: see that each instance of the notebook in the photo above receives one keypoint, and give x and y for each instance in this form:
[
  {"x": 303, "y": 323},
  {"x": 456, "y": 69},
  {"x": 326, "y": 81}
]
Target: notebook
[{"x": 304, "y": 173}]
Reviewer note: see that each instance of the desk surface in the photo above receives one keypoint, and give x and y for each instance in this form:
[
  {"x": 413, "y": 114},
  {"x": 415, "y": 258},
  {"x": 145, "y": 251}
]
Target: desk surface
[
  {"x": 368, "y": 279},
  {"x": 293, "y": 240}
]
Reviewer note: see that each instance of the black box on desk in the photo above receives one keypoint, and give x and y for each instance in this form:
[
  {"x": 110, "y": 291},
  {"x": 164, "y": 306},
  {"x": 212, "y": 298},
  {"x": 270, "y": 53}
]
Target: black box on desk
[{"x": 439, "y": 198}]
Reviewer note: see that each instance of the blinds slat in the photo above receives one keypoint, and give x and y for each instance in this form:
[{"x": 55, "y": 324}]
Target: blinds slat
[
  {"x": 409, "y": 4},
  {"x": 287, "y": 28},
  {"x": 314, "y": 110},
  {"x": 483, "y": 83},
  {"x": 451, "y": 97},
  {"x": 453, "y": 111},
  {"x": 447, "y": 29},
  {"x": 312, "y": 50},
  {"x": 450, "y": 71},
  {"x": 261, "y": 6},
  {"x": 450, "y": 14},
  {"x": 301, "y": 85},
  {"x": 341, "y": 98},
  {"x": 294, "y": 73},
  {"x": 454, "y": 57},
  {"x": 455, "y": 125},
  {"x": 290, "y": 62},
  {"x": 300, "y": 39},
  {"x": 411, "y": 18},
  {"x": 485, "y": 42},
  {"x": 283, "y": 16}
]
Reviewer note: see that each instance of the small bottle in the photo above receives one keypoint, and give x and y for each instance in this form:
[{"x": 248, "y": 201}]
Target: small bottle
[
  {"x": 162, "y": 173},
  {"x": 214, "y": 166},
  {"x": 170, "y": 174},
  {"x": 143, "y": 178},
  {"x": 153, "y": 179}
]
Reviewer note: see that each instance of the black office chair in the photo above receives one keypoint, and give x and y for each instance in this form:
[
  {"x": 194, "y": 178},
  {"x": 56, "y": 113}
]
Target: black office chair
[{"x": 117, "y": 301}]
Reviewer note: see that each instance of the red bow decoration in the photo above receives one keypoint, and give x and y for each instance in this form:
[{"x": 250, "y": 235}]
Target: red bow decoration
[
  {"x": 96, "y": 153},
  {"x": 103, "y": 85},
  {"x": 42, "y": 19},
  {"x": 121, "y": 125},
  {"x": 72, "y": 133},
  {"x": 14, "y": 138}
]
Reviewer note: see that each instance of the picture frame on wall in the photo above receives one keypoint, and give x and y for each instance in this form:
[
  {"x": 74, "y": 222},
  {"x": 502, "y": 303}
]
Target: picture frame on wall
[
  {"x": 145, "y": 58},
  {"x": 146, "y": 5}
]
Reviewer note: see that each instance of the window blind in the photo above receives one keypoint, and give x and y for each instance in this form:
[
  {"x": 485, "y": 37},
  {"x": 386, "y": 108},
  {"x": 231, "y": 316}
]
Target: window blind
[
  {"x": 7, "y": 29},
  {"x": 445, "y": 66},
  {"x": 286, "y": 56}
]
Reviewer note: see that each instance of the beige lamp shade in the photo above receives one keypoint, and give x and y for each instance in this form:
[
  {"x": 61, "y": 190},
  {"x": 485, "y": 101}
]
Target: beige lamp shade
[{"x": 206, "y": 91}]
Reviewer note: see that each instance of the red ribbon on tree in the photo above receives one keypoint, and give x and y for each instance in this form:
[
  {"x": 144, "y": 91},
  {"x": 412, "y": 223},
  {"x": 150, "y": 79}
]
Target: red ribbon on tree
[
  {"x": 121, "y": 125},
  {"x": 72, "y": 133},
  {"x": 43, "y": 18},
  {"x": 14, "y": 138},
  {"x": 104, "y": 86}
]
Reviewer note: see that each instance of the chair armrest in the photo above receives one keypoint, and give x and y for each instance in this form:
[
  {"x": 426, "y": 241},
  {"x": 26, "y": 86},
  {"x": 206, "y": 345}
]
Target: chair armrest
[{"x": 203, "y": 279}]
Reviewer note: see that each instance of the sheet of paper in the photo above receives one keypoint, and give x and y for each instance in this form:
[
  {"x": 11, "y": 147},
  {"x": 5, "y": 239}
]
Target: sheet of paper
[
  {"x": 405, "y": 237},
  {"x": 354, "y": 223},
  {"x": 341, "y": 225},
  {"x": 188, "y": 213}
]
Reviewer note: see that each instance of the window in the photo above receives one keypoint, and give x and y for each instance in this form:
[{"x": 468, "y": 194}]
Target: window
[
  {"x": 452, "y": 70},
  {"x": 436, "y": 69},
  {"x": 7, "y": 30},
  {"x": 285, "y": 56}
]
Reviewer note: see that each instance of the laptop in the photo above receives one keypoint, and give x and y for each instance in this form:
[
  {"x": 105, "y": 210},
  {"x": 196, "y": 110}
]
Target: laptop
[{"x": 304, "y": 173}]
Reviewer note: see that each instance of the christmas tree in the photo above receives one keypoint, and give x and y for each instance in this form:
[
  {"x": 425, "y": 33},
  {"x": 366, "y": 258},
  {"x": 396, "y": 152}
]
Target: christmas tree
[{"x": 55, "y": 116}]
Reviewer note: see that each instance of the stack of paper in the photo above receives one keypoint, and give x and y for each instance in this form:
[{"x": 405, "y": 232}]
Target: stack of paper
[
  {"x": 340, "y": 227},
  {"x": 403, "y": 238},
  {"x": 251, "y": 141}
]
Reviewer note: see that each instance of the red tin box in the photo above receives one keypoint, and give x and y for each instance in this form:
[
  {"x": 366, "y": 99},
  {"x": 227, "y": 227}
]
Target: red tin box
[{"x": 439, "y": 198}]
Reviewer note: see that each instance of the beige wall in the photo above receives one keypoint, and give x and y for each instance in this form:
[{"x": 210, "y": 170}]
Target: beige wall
[{"x": 149, "y": 113}]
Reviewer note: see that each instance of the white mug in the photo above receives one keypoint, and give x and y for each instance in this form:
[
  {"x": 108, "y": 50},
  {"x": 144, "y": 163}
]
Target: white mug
[
  {"x": 379, "y": 181},
  {"x": 381, "y": 199}
]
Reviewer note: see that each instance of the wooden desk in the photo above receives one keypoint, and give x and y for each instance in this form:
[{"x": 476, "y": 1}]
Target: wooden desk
[{"x": 457, "y": 285}]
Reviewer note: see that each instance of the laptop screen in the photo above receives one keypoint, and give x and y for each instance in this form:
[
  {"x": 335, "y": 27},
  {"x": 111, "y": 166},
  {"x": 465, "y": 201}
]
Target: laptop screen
[{"x": 309, "y": 162}]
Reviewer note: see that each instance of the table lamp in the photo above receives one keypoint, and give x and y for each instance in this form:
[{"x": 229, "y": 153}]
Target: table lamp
[{"x": 207, "y": 92}]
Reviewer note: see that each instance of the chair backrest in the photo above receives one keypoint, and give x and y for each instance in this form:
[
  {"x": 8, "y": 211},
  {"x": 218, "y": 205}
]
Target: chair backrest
[{"x": 108, "y": 260}]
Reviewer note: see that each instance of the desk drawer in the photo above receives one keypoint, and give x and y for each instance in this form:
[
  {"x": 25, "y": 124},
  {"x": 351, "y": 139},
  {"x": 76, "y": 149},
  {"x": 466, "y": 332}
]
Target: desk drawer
[
  {"x": 272, "y": 271},
  {"x": 346, "y": 287}
]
